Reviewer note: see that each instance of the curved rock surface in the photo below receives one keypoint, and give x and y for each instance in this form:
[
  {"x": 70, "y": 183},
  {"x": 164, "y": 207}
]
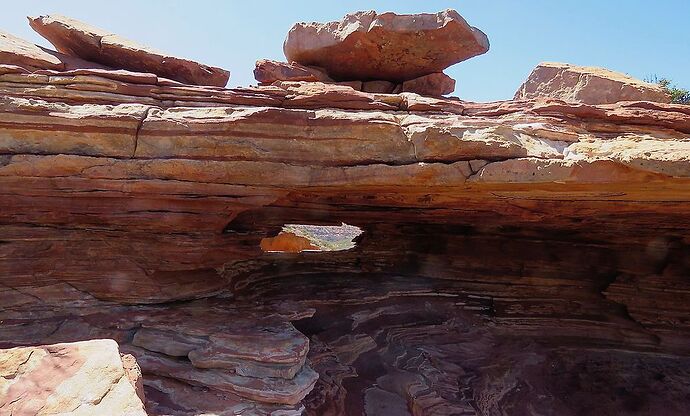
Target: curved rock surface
[
  {"x": 81, "y": 40},
  {"x": 387, "y": 46},
  {"x": 521, "y": 257},
  {"x": 588, "y": 85}
]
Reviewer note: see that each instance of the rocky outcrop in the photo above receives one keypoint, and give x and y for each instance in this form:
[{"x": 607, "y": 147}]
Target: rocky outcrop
[
  {"x": 379, "y": 53},
  {"x": 16, "y": 51},
  {"x": 386, "y": 46},
  {"x": 434, "y": 85},
  {"x": 268, "y": 72},
  {"x": 588, "y": 85},
  {"x": 80, "y": 378},
  {"x": 520, "y": 257},
  {"x": 78, "y": 39}
]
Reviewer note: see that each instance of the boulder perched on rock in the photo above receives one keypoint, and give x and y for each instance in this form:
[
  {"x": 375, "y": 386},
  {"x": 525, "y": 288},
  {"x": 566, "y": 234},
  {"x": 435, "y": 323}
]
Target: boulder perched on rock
[
  {"x": 369, "y": 46},
  {"x": 79, "y": 39},
  {"x": 80, "y": 378},
  {"x": 587, "y": 84}
]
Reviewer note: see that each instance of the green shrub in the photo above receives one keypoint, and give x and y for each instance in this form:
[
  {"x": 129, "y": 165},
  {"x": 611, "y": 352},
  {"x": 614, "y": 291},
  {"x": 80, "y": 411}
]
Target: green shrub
[{"x": 678, "y": 95}]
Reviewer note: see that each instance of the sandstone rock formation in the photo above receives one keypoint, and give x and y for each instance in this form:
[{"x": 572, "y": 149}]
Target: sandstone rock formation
[
  {"x": 379, "y": 53},
  {"x": 18, "y": 52},
  {"x": 519, "y": 257},
  {"x": 588, "y": 85},
  {"x": 386, "y": 46},
  {"x": 268, "y": 72},
  {"x": 78, "y": 39},
  {"x": 435, "y": 85},
  {"x": 80, "y": 378}
]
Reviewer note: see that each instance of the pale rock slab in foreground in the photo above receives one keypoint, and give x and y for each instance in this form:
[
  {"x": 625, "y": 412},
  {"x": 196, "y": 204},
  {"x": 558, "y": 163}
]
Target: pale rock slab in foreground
[{"x": 80, "y": 378}]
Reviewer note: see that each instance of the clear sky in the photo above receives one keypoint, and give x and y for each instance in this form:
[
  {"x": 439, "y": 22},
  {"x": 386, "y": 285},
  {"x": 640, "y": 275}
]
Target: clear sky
[{"x": 639, "y": 37}]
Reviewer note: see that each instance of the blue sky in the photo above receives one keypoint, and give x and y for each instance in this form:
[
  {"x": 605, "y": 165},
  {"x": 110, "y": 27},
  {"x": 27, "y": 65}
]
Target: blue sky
[{"x": 639, "y": 37}]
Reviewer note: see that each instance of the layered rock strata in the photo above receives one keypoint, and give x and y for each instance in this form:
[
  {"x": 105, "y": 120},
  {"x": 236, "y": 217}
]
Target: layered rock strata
[
  {"x": 588, "y": 85},
  {"x": 517, "y": 257}
]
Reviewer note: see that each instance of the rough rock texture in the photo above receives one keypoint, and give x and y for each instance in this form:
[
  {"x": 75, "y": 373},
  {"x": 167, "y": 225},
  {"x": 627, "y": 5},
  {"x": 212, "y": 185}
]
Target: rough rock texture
[
  {"x": 588, "y": 85},
  {"x": 434, "y": 85},
  {"x": 517, "y": 257},
  {"x": 80, "y": 378},
  {"x": 18, "y": 52},
  {"x": 133, "y": 371},
  {"x": 79, "y": 39},
  {"x": 370, "y": 46},
  {"x": 268, "y": 71}
]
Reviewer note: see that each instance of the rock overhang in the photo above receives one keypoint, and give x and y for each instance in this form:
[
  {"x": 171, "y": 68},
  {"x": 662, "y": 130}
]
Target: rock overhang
[{"x": 134, "y": 208}]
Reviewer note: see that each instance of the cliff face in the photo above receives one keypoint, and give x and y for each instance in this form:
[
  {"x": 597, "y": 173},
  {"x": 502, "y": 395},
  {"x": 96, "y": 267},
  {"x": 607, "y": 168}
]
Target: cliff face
[{"x": 518, "y": 257}]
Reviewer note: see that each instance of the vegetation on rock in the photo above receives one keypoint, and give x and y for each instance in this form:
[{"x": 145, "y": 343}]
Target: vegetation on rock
[{"x": 678, "y": 95}]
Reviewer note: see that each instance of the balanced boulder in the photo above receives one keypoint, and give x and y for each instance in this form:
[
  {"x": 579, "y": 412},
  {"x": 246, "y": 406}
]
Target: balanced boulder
[
  {"x": 588, "y": 85},
  {"x": 369, "y": 46},
  {"x": 79, "y": 39}
]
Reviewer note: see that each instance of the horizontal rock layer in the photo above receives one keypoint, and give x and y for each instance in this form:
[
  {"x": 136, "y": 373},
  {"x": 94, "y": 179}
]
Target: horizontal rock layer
[{"x": 506, "y": 246}]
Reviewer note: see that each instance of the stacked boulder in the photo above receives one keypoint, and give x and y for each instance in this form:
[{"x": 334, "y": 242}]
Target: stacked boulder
[
  {"x": 81, "y": 46},
  {"x": 384, "y": 53}
]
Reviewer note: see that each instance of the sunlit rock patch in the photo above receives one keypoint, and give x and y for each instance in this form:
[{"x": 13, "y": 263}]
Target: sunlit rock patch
[{"x": 295, "y": 238}]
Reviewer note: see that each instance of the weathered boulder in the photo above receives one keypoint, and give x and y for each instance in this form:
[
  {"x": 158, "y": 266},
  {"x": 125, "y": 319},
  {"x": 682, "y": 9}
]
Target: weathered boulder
[
  {"x": 267, "y": 71},
  {"x": 79, "y": 39},
  {"x": 384, "y": 87},
  {"x": 588, "y": 85},
  {"x": 370, "y": 46},
  {"x": 17, "y": 51},
  {"x": 81, "y": 378},
  {"x": 434, "y": 85}
]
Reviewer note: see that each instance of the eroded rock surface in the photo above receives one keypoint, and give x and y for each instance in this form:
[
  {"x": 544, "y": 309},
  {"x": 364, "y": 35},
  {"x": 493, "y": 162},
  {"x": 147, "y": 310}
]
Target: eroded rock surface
[
  {"x": 517, "y": 257},
  {"x": 386, "y": 46},
  {"x": 79, "y": 39},
  {"x": 588, "y": 85},
  {"x": 268, "y": 71},
  {"x": 80, "y": 378}
]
